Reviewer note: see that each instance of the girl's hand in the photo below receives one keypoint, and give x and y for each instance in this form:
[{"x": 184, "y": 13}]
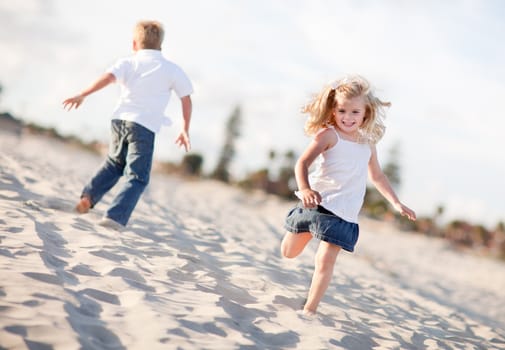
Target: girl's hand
[
  {"x": 405, "y": 211},
  {"x": 309, "y": 197}
]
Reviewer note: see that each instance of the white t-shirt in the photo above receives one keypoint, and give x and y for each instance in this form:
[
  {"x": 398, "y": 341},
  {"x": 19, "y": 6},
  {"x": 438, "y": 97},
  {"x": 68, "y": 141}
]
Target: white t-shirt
[
  {"x": 340, "y": 176},
  {"x": 147, "y": 80}
]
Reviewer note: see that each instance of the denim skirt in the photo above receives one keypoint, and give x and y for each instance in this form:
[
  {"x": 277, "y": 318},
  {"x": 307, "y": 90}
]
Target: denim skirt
[{"x": 324, "y": 225}]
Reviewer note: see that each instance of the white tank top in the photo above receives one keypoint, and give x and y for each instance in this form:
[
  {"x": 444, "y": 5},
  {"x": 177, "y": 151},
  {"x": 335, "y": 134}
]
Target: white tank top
[{"x": 340, "y": 176}]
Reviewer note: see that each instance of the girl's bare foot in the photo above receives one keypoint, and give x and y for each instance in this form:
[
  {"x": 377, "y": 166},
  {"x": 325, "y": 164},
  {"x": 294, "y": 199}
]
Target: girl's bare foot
[{"x": 309, "y": 313}]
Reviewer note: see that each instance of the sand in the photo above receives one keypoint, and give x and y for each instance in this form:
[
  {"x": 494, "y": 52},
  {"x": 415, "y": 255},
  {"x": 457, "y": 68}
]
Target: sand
[{"x": 199, "y": 267}]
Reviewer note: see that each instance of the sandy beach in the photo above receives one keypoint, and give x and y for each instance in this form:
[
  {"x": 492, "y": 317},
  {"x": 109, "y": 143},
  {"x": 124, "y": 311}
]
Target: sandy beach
[{"x": 199, "y": 267}]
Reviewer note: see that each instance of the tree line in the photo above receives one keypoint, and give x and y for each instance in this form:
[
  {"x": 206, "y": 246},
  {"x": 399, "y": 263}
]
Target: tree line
[
  {"x": 281, "y": 182},
  {"x": 460, "y": 233}
]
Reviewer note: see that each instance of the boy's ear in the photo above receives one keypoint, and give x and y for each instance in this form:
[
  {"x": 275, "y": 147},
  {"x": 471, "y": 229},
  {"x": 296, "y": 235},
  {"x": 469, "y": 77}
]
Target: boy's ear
[{"x": 134, "y": 45}]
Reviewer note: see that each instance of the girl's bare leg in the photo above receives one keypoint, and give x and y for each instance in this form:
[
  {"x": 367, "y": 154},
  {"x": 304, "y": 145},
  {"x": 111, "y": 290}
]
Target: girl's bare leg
[
  {"x": 323, "y": 271},
  {"x": 294, "y": 243}
]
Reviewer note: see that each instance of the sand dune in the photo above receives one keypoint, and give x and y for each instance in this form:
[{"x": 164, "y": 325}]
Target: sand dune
[{"x": 199, "y": 268}]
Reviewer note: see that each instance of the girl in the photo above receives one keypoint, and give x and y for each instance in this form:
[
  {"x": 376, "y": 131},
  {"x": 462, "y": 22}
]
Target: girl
[{"x": 346, "y": 120}]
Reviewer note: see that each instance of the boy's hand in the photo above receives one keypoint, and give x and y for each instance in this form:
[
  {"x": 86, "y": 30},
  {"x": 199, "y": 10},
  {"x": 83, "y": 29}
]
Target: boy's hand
[
  {"x": 405, "y": 211},
  {"x": 183, "y": 140},
  {"x": 309, "y": 197},
  {"x": 73, "y": 102}
]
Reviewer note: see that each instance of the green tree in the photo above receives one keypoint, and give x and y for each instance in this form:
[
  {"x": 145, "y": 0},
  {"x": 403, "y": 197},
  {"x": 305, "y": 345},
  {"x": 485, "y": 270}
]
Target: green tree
[
  {"x": 287, "y": 172},
  {"x": 392, "y": 167},
  {"x": 272, "y": 155},
  {"x": 192, "y": 164},
  {"x": 374, "y": 203},
  {"x": 232, "y": 132}
]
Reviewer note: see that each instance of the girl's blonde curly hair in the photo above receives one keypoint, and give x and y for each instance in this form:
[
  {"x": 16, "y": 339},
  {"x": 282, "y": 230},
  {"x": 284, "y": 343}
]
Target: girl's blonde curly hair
[{"x": 321, "y": 107}]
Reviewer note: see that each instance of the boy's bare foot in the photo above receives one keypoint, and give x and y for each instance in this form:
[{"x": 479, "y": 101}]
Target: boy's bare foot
[{"x": 83, "y": 206}]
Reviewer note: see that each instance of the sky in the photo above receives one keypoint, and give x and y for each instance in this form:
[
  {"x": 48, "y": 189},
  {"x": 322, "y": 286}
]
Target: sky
[{"x": 440, "y": 64}]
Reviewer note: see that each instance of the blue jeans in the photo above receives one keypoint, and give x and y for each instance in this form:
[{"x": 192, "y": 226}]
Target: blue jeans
[{"x": 130, "y": 154}]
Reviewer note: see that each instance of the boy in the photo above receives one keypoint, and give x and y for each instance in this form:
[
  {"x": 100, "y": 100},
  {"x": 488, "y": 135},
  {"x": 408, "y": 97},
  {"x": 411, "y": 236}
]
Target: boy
[{"x": 146, "y": 81}]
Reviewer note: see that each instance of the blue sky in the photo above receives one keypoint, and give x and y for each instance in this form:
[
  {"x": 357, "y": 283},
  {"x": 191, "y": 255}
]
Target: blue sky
[{"x": 440, "y": 63}]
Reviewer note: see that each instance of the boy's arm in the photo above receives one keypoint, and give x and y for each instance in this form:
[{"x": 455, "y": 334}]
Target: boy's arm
[
  {"x": 381, "y": 183},
  {"x": 103, "y": 81},
  {"x": 187, "y": 109}
]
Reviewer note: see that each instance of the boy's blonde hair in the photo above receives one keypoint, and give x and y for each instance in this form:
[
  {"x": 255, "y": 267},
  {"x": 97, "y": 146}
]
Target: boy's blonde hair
[
  {"x": 321, "y": 107},
  {"x": 149, "y": 35}
]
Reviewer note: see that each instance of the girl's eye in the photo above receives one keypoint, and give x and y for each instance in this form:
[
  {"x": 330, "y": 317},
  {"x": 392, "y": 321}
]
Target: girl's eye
[{"x": 341, "y": 111}]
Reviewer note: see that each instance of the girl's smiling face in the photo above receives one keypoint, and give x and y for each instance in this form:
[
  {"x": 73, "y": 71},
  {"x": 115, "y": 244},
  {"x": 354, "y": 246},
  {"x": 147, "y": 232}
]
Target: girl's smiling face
[{"x": 349, "y": 115}]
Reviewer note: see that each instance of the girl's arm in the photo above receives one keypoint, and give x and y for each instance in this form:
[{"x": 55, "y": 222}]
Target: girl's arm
[
  {"x": 322, "y": 141},
  {"x": 103, "y": 81},
  {"x": 382, "y": 184}
]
